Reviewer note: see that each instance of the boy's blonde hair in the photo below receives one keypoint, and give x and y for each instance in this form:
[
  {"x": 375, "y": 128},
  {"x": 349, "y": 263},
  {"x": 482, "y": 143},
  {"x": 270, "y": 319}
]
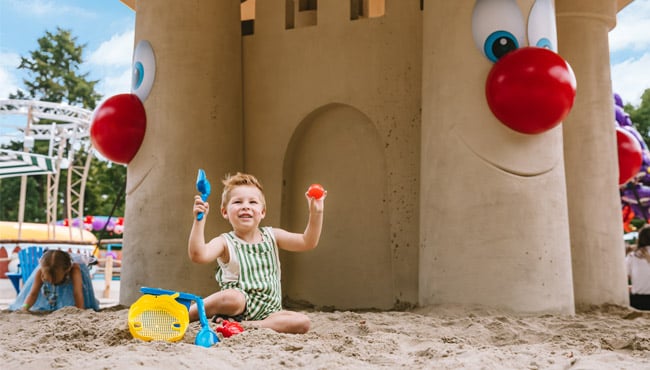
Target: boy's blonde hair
[{"x": 239, "y": 179}]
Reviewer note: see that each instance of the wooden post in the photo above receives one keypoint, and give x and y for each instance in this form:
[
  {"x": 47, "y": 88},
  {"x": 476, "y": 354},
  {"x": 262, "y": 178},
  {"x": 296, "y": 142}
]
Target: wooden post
[{"x": 108, "y": 276}]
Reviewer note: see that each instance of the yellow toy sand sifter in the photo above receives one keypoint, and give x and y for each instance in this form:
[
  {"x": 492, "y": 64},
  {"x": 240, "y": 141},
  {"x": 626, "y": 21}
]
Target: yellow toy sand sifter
[{"x": 158, "y": 317}]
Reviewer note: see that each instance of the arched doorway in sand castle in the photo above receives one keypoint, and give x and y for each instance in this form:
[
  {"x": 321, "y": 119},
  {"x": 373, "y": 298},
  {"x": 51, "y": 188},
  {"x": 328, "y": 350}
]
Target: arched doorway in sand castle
[{"x": 351, "y": 267}]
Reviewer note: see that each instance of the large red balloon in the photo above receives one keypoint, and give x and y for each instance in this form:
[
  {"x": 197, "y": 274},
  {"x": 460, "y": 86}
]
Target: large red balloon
[
  {"x": 118, "y": 127},
  {"x": 630, "y": 155},
  {"x": 531, "y": 90}
]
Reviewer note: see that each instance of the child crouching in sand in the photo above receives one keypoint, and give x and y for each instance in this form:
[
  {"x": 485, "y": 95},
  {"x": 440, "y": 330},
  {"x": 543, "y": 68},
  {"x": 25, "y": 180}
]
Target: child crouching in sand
[
  {"x": 60, "y": 280},
  {"x": 249, "y": 267}
]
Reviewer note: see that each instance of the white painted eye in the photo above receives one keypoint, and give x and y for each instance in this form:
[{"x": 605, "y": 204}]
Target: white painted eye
[
  {"x": 144, "y": 70},
  {"x": 542, "y": 30},
  {"x": 498, "y": 27}
]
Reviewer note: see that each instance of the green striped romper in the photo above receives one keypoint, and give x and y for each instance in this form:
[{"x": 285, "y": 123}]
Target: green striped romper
[{"x": 259, "y": 274}]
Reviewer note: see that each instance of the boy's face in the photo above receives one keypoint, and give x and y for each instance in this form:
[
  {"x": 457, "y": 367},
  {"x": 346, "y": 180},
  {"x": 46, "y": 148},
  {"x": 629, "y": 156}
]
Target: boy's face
[{"x": 245, "y": 208}]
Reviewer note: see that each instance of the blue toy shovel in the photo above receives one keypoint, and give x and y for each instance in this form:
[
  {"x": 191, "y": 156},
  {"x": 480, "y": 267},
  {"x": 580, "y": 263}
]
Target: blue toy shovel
[
  {"x": 206, "y": 337},
  {"x": 203, "y": 186}
]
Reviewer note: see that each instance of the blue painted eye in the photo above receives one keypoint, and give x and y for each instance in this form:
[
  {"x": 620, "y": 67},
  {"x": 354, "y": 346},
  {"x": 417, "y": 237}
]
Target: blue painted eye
[
  {"x": 542, "y": 30},
  {"x": 498, "y": 27},
  {"x": 499, "y": 44},
  {"x": 144, "y": 70},
  {"x": 138, "y": 74},
  {"x": 544, "y": 43}
]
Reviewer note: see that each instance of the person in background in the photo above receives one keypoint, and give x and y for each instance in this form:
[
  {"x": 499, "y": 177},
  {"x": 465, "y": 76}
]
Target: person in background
[
  {"x": 638, "y": 271},
  {"x": 60, "y": 280}
]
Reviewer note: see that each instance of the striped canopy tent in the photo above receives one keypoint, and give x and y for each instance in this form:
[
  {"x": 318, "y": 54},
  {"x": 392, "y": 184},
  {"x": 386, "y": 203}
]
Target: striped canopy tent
[{"x": 14, "y": 163}]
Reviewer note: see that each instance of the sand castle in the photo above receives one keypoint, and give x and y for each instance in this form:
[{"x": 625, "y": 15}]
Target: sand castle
[{"x": 432, "y": 199}]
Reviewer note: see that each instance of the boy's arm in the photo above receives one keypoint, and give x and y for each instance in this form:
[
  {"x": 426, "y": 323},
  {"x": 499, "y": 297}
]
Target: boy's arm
[
  {"x": 197, "y": 249},
  {"x": 296, "y": 242}
]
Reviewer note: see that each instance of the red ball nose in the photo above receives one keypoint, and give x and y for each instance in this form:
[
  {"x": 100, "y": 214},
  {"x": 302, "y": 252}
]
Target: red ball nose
[
  {"x": 118, "y": 127},
  {"x": 531, "y": 90}
]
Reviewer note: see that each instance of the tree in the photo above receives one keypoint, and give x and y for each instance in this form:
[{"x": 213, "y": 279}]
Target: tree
[
  {"x": 53, "y": 71},
  {"x": 640, "y": 116},
  {"x": 107, "y": 181},
  {"x": 54, "y": 76}
]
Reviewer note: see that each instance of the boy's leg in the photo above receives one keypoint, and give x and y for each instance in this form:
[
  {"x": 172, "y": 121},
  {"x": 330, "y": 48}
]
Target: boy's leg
[
  {"x": 284, "y": 322},
  {"x": 229, "y": 302}
]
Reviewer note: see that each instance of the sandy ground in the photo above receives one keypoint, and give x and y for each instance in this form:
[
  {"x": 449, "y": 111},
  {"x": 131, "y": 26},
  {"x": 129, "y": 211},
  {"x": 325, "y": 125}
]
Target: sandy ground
[{"x": 607, "y": 337}]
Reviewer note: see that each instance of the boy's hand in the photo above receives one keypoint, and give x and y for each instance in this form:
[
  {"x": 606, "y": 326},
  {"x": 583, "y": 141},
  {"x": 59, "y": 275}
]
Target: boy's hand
[
  {"x": 316, "y": 205},
  {"x": 200, "y": 206}
]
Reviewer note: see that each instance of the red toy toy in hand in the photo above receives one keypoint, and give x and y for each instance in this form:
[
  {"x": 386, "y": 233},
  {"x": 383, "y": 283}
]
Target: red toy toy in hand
[{"x": 315, "y": 191}]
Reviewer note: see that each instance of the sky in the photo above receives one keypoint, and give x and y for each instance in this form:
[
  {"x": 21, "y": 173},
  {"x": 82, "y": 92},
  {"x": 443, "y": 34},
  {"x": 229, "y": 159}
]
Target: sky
[
  {"x": 105, "y": 26},
  {"x": 107, "y": 29}
]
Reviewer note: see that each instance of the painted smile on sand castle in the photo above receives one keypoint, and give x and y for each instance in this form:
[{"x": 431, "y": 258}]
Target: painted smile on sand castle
[{"x": 451, "y": 137}]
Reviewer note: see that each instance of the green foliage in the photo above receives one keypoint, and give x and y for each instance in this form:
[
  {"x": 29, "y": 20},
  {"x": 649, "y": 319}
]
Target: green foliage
[
  {"x": 10, "y": 197},
  {"x": 640, "y": 115},
  {"x": 107, "y": 181},
  {"x": 53, "y": 71}
]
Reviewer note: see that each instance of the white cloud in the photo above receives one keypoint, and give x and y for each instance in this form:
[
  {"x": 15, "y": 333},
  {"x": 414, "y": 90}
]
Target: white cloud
[
  {"x": 8, "y": 81},
  {"x": 629, "y": 45},
  {"x": 118, "y": 82},
  {"x": 631, "y": 78},
  {"x": 118, "y": 51},
  {"x": 111, "y": 63},
  {"x": 632, "y": 31}
]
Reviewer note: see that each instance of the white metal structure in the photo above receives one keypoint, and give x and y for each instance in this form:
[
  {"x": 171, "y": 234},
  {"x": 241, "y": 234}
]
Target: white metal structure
[{"x": 67, "y": 134}]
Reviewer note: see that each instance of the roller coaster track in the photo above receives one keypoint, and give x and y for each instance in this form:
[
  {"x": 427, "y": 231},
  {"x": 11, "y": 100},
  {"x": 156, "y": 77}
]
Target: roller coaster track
[{"x": 68, "y": 134}]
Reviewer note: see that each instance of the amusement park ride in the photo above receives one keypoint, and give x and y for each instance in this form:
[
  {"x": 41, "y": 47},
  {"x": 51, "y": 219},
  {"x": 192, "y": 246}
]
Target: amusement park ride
[{"x": 67, "y": 132}]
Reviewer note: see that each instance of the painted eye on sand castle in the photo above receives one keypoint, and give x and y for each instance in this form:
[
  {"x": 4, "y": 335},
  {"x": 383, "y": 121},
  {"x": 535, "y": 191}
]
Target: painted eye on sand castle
[
  {"x": 500, "y": 43},
  {"x": 542, "y": 29},
  {"x": 529, "y": 89},
  {"x": 498, "y": 27},
  {"x": 144, "y": 70}
]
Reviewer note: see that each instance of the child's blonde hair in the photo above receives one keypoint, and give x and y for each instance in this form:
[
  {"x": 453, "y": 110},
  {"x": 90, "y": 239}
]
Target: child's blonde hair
[{"x": 239, "y": 179}]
